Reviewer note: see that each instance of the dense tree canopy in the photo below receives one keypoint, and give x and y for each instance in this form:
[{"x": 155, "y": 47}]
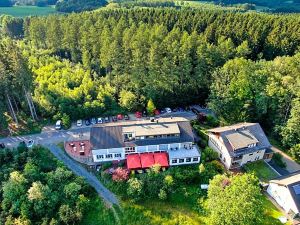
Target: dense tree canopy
[
  {"x": 36, "y": 189},
  {"x": 245, "y": 65},
  {"x": 234, "y": 200}
]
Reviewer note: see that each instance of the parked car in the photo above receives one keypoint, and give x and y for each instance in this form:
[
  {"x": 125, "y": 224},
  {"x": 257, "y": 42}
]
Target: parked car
[
  {"x": 120, "y": 116},
  {"x": 138, "y": 115},
  {"x": 100, "y": 120},
  {"x": 93, "y": 121},
  {"x": 156, "y": 112},
  {"x": 144, "y": 113},
  {"x": 174, "y": 110},
  {"x": 126, "y": 117},
  {"x": 58, "y": 125},
  {"x": 30, "y": 144},
  {"x": 168, "y": 110},
  {"x": 106, "y": 119},
  {"x": 114, "y": 118},
  {"x": 87, "y": 122},
  {"x": 163, "y": 111},
  {"x": 79, "y": 123},
  {"x": 2, "y": 145}
]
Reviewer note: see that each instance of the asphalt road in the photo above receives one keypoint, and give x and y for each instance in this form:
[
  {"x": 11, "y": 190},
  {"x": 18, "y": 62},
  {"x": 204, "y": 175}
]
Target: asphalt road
[{"x": 51, "y": 136}]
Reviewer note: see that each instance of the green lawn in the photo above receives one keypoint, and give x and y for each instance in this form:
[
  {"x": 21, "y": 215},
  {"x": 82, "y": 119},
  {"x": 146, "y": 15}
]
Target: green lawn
[
  {"x": 261, "y": 170},
  {"x": 271, "y": 212},
  {"x": 23, "y": 11}
]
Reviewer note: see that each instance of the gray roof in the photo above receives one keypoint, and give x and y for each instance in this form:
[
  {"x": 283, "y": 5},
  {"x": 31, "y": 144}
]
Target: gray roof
[
  {"x": 106, "y": 137},
  {"x": 237, "y": 137},
  {"x": 290, "y": 181}
]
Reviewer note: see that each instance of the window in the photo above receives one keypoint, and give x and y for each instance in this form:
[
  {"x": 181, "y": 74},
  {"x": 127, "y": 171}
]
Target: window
[
  {"x": 99, "y": 156},
  {"x": 129, "y": 150},
  {"x": 181, "y": 160},
  {"x": 174, "y": 160},
  {"x": 250, "y": 154},
  {"x": 108, "y": 156},
  {"x": 195, "y": 159},
  {"x": 188, "y": 159},
  {"x": 118, "y": 155}
]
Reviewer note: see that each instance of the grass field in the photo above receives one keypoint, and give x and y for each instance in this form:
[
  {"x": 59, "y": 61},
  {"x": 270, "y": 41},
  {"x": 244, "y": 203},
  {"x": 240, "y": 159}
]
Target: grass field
[
  {"x": 23, "y": 11},
  {"x": 261, "y": 170}
]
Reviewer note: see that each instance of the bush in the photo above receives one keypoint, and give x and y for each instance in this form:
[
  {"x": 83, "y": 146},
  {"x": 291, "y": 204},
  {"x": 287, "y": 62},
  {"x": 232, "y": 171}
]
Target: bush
[
  {"x": 212, "y": 121},
  {"x": 162, "y": 194},
  {"x": 208, "y": 155},
  {"x": 134, "y": 189},
  {"x": 295, "y": 152},
  {"x": 277, "y": 159},
  {"x": 120, "y": 175},
  {"x": 106, "y": 165}
]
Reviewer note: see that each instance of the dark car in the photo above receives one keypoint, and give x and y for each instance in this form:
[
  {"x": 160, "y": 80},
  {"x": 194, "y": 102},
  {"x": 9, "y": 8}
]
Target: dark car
[
  {"x": 106, "y": 119},
  {"x": 174, "y": 110},
  {"x": 162, "y": 111},
  {"x": 144, "y": 113},
  {"x": 2, "y": 145},
  {"x": 126, "y": 117},
  {"x": 87, "y": 122},
  {"x": 196, "y": 111},
  {"x": 114, "y": 118}
]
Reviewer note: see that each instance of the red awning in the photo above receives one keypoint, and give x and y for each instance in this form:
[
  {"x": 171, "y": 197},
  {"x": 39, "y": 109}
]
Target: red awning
[
  {"x": 147, "y": 160},
  {"x": 161, "y": 158},
  {"x": 133, "y": 161}
]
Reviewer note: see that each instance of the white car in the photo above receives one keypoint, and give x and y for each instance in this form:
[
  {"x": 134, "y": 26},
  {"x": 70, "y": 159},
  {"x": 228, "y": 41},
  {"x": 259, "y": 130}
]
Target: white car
[
  {"x": 168, "y": 110},
  {"x": 79, "y": 123},
  {"x": 30, "y": 144},
  {"x": 100, "y": 120},
  {"x": 58, "y": 125}
]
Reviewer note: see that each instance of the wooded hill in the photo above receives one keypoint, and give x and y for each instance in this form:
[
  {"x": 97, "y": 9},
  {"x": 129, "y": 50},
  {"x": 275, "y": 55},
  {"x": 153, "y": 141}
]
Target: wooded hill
[{"x": 244, "y": 65}]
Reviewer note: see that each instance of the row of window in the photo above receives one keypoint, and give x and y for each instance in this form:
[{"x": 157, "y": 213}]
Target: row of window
[
  {"x": 186, "y": 160},
  {"x": 215, "y": 143},
  {"x": 109, "y": 156},
  {"x": 158, "y": 136}
]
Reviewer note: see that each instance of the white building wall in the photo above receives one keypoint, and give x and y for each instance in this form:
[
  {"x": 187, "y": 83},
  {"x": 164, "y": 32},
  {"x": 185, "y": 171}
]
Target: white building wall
[
  {"x": 282, "y": 196},
  {"x": 220, "y": 149},
  {"x": 105, "y": 152},
  {"x": 253, "y": 156},
  {"x": 184, "y": 161}
]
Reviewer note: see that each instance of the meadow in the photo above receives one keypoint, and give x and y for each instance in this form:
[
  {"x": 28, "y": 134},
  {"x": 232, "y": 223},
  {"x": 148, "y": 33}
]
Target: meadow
[{"x": 23, "y": 11}]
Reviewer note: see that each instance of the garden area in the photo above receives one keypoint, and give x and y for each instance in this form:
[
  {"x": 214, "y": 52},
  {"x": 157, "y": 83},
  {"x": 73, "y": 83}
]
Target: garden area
[{"x": 261, "y": 170}]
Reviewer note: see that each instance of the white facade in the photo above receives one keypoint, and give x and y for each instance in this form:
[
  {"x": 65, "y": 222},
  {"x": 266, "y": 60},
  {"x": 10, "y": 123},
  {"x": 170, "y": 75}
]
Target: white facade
[
  {"x": 283, "y": 197},
  {"x": 179, "y": 153},
  {"x": 217, "y": 144}
]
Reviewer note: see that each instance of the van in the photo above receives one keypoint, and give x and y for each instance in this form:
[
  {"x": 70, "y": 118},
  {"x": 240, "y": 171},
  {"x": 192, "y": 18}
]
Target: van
[{"x": 58, "y": 125}]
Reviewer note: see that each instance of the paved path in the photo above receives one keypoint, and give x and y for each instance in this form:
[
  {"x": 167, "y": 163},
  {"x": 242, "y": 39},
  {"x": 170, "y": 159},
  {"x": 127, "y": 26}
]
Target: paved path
[
  {"x": 107, "y": 195},
  {"x": 291, "y": 165}
]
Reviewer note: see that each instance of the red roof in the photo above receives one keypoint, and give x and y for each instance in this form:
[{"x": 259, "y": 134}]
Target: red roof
[
  {"x": 133, "y": 161},
  {"x": 147, "y": 160},
  {"x": 161, "y": 158}
]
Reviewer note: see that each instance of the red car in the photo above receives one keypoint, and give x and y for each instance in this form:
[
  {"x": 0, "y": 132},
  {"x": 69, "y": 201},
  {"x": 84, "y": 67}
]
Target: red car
[
  {"x": 120, "y": 116},
  {"x": 156, "y": 112},
  {"x": 138, "y": 115}
]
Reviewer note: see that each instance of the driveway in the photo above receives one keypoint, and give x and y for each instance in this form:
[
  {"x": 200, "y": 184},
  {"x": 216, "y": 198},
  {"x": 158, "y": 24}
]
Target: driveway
[
  {"x": 291, "y": 165},
  {"x": 51, "y": 136},
  {"x": 90, "y": 178}
]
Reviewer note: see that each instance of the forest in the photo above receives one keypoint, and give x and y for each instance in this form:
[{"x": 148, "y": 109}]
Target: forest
[
  {"x": 39, "y": 191},
  {"x": 245, "y": 66}
]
